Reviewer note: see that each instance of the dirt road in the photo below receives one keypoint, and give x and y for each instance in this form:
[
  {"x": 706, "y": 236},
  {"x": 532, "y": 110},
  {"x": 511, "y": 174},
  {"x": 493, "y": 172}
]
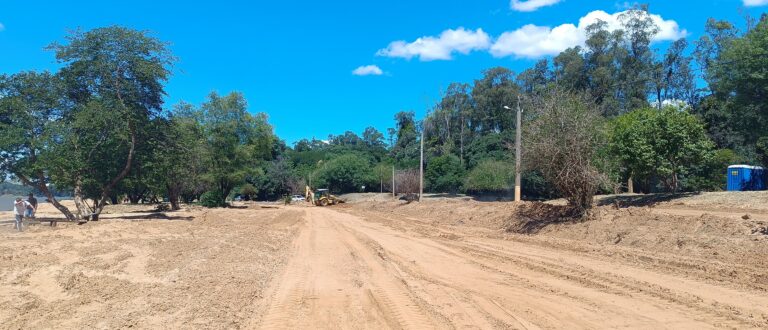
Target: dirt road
[
  {"x": 355, "y": 269},
  {"x": 370, "y": 265}
]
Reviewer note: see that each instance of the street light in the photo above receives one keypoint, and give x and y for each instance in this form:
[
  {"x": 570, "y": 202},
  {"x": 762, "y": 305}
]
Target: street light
[{"x": 518, "y": 138}]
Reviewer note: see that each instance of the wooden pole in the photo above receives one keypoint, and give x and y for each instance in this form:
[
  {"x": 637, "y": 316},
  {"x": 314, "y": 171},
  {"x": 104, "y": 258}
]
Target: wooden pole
[
  {"x": 393, "y": 181},
  {"x": 421, "y": 166},
  {"x": 518, "y": 142}
]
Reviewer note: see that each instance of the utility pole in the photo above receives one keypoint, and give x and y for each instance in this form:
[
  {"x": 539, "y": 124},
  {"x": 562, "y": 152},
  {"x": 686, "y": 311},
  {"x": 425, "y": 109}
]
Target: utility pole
[
  {"x": 518, "y": 142},
  {"x": 421, "y": 166},
  {"x": 393, "y": 181}
]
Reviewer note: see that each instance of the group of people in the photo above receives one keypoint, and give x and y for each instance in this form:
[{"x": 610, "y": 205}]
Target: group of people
[{"x": 24, "y": 208}]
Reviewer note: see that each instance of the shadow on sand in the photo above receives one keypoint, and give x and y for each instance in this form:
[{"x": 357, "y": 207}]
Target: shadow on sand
[{"x": 623, "y": 201}]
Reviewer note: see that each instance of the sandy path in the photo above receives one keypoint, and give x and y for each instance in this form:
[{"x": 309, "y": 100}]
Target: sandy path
[{"x": 351, "y": 272}]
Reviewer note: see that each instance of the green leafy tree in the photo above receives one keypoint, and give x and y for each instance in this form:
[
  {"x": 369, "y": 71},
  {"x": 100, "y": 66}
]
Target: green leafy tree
[
  {"x": 276, "y": 180},
  {"x": 663, "y": 144},
  {"x": 489, "y": 146},
  {"x": 496, "y": 89},
  {"x": 31, "y": 108},
  {"x": 570, "y": 69},
  {"x": 114, "y": 78},
  {"x": 637, "y": 66},
  {"x": 444, "y": 174},
  {"x": 248, "y": 191},
  {"x": 237, "y": 142},
  {"x": 406, "y": 148},
  {"x": 490, "y": 176},
  {"x": 382, "y": 173},
  {"x": 762, "y": 150},
  {"x": 345, "y": 173},
  {"x": 711, "y": 174},
  {"x": 740, "y": 79}
]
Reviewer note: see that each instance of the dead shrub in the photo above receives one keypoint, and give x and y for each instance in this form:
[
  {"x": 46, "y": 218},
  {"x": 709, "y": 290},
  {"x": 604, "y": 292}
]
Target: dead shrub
[
  {"x": 563, "y": 143},
  {"x": 407, "y": 181}
]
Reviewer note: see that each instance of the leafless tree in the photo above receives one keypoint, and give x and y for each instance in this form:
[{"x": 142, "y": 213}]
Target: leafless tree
[
  {"x": 563, "y": 141},
  {"x": 407, "y": 181}
]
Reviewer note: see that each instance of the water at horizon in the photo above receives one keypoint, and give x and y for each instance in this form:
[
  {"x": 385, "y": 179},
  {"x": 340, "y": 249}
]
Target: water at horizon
[{"x": 6, "y": 201}]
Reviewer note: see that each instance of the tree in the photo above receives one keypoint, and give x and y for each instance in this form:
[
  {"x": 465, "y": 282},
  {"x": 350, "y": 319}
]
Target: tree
[
  {"x": 739, "y": 78},
  {"x": 563, "y": 142},
  {"x": 490, "y": 94},
  {"x": 444, "y": 174},
  {"x": 383, "y": 174},
  {"x": 663, "y": 144},
  {"x": 114, "y": 78},
  {"x": 179, "y": 156},
  {"x": 636, "y": 67},
  {"x": 236, "y": 141},
  {"x": 31, "y": 108},
  {"x": 603, "y": 53},
  {"x": 569, "y": 69},
  {"x": 406, "y": 148},
  {"x": 276, "y": 180},
  {"x": 345, "y": 174},
  {"x": 490, "y": 176},
  {"x": 489, "y": 146},
  {"x": 711, "y": 174},
  {"x": 673, "y": 78},
  {"x": 248, "y": 191}
]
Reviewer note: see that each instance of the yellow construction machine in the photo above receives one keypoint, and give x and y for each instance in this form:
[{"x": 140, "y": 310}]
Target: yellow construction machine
[{"x": 321, "y": 197}]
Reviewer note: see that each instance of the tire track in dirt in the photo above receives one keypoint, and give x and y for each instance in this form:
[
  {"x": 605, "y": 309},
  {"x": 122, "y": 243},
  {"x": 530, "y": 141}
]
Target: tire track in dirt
[
  {"x": 335, "y": 281},
  {"x": 594, "y": 289},
  {"x": 730, "y": 303}
]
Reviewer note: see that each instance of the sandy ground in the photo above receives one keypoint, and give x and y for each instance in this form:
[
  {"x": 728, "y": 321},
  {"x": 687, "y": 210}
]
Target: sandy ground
[
  {"x": 683, "y": 262},
  {"x": 191, "y": 269}
]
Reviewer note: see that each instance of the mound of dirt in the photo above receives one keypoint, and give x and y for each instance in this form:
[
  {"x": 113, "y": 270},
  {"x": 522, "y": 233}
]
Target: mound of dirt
[
  {"x": 696, "y": 234},
  {"x": 531, "y": 218}
]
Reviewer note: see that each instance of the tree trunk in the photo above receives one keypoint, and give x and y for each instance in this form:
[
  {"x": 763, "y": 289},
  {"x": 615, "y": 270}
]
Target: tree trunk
[
  {"x": 630, "y": 185},
  {"x": 40, "y": 185},
  {"x": 107, "y": 190},
  {"x": 83, "y": 211},
  {"x": 134, "y": 198},
  {"x": 173, "y": 197}
]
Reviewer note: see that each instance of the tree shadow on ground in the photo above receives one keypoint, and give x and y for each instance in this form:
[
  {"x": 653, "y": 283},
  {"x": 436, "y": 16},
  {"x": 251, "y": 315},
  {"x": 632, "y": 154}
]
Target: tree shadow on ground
[
  {"x": 531, "y": 218},
  {"x": 623, "y": 201},
  {"x": 153, "y": 216}
]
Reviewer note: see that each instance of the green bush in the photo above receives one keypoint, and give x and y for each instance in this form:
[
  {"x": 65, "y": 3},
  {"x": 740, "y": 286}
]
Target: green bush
[
  {"x": 711, "y": 174},
  {"x": 212, "y": 198},
  {"x": 490, "y": 176},
  {"x": 344, "y": 174},
  {"x": 248, "y": 191},
  {"x": 444, "y": 174}
]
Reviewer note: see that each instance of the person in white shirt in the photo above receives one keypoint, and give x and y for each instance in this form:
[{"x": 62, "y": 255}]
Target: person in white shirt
[{"x": 20, "y": 207}]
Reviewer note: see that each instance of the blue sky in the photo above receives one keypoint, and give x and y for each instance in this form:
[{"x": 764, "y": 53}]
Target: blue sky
[{"x": 294, "y": 60}]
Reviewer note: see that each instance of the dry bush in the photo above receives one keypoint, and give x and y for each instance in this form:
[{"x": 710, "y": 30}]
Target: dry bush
[
  {"x": 563, "y": 142},
  {"x": 407, "y": 181}
]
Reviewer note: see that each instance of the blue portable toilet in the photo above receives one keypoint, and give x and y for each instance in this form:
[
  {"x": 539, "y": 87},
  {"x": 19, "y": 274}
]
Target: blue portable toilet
[{"x": 746, "y": 178}]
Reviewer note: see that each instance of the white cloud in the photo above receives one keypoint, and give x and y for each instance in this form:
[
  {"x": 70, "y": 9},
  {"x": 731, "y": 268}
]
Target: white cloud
[
  {"x": 2, "y": 27},
  {"x": 439, "y": 48},
  {"x": 368, "y": 70},
  {"x": 755, "y": 3},
  {"x": 531, "y": 5},
  {"x": 532, "y": 41}
]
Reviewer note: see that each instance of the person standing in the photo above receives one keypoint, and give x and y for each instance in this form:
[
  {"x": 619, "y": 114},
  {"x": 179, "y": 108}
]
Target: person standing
[
  {"x": 20, "y": 207},
  {"x": 33, "y": 201}
]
